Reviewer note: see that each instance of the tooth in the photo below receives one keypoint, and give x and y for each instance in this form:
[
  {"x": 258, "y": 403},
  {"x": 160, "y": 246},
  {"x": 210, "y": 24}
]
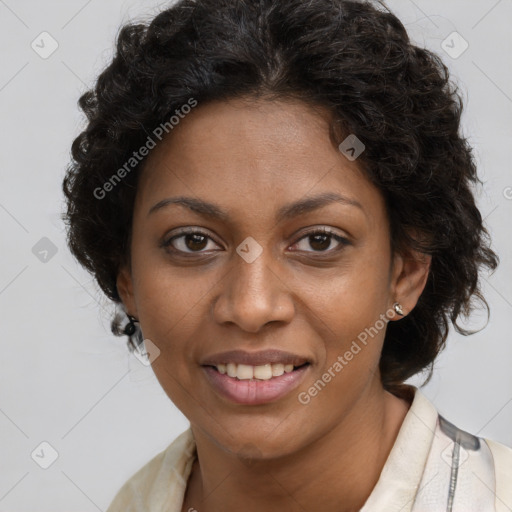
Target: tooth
[
  {"x": 231, "y": 369},
  {"x": 277, "y": 369},
  {"x": 245, "y": 371},
  {"x": 249, "y": 372},
  {"x": 263, "y": 372}
]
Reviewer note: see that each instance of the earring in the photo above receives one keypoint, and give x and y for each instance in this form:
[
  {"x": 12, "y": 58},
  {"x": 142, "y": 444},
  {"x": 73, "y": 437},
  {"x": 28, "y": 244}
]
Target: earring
[
  {"x": 130, "y": 327},
  {"x": 398, "y": 308}
]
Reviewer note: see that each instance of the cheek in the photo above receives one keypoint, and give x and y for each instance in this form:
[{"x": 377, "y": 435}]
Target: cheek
[
  {"x": 352, "y": 333},
  {"x": 353, "y": 295},
  {"x": 349, "y": 311},
  {"x": 168, "y": 297},
  {"x": 172, "y": 315}
]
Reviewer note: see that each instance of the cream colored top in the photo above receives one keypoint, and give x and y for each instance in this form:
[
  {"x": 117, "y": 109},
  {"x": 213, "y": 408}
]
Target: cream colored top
[{"x": 433, "y": 467}]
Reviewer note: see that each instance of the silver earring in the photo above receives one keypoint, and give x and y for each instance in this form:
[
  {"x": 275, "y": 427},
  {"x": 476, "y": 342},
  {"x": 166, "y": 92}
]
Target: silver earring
[{"x": 398, "y": 308}]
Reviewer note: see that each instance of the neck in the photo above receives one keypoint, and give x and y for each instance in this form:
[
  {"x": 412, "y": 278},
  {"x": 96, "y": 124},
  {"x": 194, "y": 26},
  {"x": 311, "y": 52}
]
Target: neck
[{"x": 336, "y": 472}]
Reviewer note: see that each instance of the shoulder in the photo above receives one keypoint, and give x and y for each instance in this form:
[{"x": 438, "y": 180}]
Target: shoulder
[
  {"x": 160, "y": 484},
  {"x": 474, "y": 472},
  {"x": 502, "y": 456}
]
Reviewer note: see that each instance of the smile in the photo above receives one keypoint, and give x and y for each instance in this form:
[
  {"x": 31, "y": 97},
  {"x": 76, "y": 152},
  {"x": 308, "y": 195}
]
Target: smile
[
  {"x": 251, "y": 389},
  {"x": 260, "y": 372}
]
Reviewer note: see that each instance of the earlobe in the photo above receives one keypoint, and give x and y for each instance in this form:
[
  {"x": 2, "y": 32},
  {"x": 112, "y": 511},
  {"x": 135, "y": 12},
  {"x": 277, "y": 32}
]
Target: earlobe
[
  {"x": 124, "y": 285},
  {"x": 409, "y": 280}
]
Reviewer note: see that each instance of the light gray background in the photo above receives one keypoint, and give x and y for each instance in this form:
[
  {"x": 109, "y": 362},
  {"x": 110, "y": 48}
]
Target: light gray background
[{"x": 64, "y": 378}]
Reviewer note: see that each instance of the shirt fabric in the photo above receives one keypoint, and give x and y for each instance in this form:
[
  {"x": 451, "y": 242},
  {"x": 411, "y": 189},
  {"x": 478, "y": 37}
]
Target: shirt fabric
[{"x": 433, "y": 466}]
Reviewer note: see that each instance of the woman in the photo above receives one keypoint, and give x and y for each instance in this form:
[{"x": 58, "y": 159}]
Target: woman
[{"x": 278, "y": 195}]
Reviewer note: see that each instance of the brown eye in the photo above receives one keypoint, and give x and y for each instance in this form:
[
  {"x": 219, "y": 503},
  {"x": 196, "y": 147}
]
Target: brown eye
[
  {"x": 195, "y": 242},
  {"x": 321, "y": 240},
  {"x": 190, "y": 241}
]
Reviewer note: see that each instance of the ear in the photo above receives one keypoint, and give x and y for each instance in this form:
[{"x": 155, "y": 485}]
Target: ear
[
  {"x": 409, "y": 277},
  {"x": 124, "y": 285}
]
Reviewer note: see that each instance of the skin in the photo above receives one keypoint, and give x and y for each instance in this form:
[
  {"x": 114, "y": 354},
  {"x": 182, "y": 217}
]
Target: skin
[{"x": 251, "y": 157}]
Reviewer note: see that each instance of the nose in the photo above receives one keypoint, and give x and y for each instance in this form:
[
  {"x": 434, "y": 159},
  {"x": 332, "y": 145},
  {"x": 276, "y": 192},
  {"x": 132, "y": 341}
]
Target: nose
[{"x": 253, "y": 294}]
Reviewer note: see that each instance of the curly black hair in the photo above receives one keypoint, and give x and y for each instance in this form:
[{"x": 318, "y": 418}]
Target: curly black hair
[{"x": 352, "y": 57}]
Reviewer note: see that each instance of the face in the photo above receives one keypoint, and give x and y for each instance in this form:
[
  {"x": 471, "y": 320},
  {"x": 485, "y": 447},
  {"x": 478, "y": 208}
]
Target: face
[{"x": 286, "y": 246}]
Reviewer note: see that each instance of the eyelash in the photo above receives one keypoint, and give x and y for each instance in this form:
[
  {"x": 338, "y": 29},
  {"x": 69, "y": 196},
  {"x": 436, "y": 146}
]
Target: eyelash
[{"x": 318, "y": 231}]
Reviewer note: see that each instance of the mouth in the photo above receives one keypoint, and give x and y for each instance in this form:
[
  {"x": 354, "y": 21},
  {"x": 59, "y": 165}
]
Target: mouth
[
  {"x": 244, "y": 387},
  {"x": 248, "y": 372}
]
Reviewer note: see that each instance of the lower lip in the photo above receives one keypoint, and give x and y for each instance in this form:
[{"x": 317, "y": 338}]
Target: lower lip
[{"x": 255, "y": 392}]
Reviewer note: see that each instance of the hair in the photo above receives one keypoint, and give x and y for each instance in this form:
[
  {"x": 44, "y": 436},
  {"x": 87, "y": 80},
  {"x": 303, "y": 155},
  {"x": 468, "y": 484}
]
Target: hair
[{"x": 353, "y": 58}]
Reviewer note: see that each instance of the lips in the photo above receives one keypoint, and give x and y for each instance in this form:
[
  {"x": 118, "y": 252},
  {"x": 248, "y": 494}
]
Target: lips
[
  {"x": 288, "y": 371},
  {"x": 255, "y": 392},
  {"x": 270, "y": 356}
]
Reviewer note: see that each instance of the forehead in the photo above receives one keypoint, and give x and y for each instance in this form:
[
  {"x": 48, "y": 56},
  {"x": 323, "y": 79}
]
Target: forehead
[{"x": 252, "y": 152}]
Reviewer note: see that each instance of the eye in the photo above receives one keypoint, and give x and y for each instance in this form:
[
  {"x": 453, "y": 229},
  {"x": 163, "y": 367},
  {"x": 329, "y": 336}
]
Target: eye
[
  {"x": 320, "y": 240},
  {"x": 190, "y": 241},
  {"x": 193, "y": 240}
]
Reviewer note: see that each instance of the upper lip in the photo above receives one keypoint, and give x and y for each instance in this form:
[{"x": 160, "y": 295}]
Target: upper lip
[{"x": 262, "y": 357}]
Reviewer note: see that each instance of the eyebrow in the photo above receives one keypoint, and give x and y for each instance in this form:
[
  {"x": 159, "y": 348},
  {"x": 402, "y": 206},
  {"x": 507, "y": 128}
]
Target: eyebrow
[{"x": 287, "y": 211}]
